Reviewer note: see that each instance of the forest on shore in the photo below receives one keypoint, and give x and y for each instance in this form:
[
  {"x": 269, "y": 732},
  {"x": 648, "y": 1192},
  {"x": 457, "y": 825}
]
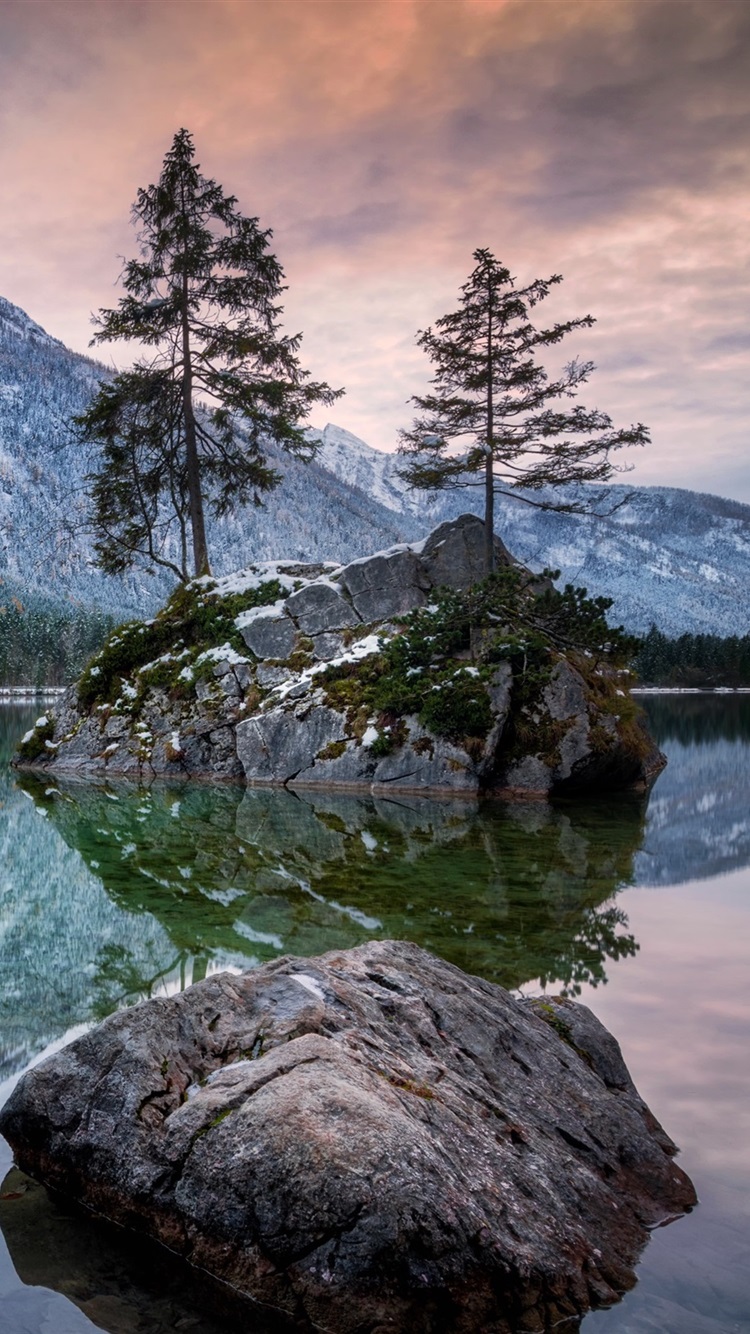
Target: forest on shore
[{"x": 693, "y": 660}]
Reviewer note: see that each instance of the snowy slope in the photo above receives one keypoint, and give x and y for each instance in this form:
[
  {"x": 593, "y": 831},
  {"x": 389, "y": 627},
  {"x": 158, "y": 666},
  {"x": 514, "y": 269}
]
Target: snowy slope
[
  {"x": 45, "y": 548},
  {"x": 674, "y": 557}
]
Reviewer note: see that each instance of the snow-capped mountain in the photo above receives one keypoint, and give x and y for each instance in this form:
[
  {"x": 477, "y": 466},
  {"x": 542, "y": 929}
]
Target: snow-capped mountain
[
  {"x": 46, "y": 550},
  {"x": 674, "y": 557}
]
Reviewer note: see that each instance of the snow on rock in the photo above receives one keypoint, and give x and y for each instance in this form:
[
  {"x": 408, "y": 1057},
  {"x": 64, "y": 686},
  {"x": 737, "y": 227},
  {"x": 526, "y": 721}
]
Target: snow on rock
[{"x": 279, "y": 714}]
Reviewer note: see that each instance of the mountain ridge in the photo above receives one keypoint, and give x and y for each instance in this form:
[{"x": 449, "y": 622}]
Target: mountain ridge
[{"x": 666, "y": 555}]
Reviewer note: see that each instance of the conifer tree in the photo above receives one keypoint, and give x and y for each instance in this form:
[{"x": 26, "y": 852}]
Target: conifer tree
[
  {"x": 191, "y": 423},
  {"x": 494, "y": 417}
]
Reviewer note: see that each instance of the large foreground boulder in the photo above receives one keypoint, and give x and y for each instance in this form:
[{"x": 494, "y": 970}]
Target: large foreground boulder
[{"x": 371, "y": 1140}]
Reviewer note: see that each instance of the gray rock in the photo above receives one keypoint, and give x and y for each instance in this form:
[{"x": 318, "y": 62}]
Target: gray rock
[
  {"x": 387, "y": 585},
  {"x": 272, "y": 675},
  {"x": 574, "y": 748},
  {"x": 453, "y": 554},
  {"x": 274, "y": 747},
  {"x": 428, "y": 762},
  {"x": 244, "y": 674},
  {"x": 269, "y": 634},
  {"x": 327, "y": 646},
  {"x": 369, "y": 1140},
  {"x": 499, "y": 689},
  {"x": 320, "y": 607},
  {"x": 354, "y": 765},
  {"x": 566, "y": 695},
  {"x": 530, "y": 774},
  {"x": 230, "y": 686}
]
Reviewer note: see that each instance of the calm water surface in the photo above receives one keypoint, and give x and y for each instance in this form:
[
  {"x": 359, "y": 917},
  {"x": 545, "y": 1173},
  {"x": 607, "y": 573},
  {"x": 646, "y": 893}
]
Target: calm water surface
[{"x": 109, "y": 894}]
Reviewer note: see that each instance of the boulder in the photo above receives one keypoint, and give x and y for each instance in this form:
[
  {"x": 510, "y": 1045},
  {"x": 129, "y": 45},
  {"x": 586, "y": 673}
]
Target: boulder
[
  {"x": 370, "y": 1140},
  {"x": 579, "y": 744},
  {"x": 275, "y": 746},
  {"x": 320, "y": 607},
  {"x": 300, "y": 743},
  {"x": 453, "y": 554},
  {"x": 388, "y": 585},
  {"x": 268, "y": 632},
  {"x": 327, "y": 646}
]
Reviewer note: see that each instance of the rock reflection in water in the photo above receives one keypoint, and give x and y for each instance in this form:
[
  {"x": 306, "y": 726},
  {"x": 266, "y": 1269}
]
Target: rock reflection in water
[
  {"x": 236, "y": 877},
  {"x": 124, "y": 1284}
]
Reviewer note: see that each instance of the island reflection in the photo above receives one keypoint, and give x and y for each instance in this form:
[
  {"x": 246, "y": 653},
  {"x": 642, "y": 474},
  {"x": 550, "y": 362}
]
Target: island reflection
[{"x": 235, "y": 877}]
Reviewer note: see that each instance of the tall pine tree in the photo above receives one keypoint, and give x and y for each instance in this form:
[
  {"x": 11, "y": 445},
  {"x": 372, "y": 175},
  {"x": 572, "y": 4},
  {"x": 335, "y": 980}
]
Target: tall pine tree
[
  {"x": 495, "y": 418},
  {"x": 191, "y": 423}
]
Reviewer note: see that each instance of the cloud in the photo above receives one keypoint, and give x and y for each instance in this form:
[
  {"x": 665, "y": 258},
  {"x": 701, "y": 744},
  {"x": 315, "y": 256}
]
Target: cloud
[{"x": 384, "y": 143}]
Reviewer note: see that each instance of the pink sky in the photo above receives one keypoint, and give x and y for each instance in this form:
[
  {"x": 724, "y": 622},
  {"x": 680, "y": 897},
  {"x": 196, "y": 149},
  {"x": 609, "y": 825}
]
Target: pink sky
[{"x": 384, "y": 141}]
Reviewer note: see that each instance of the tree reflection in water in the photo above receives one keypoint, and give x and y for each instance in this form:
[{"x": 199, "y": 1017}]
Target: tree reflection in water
[{"x": 516, "y": 893}]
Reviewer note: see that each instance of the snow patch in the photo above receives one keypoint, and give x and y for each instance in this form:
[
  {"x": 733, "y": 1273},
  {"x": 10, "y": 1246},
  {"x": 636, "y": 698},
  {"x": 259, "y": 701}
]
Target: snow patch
[{"x": 310, "y": 984}]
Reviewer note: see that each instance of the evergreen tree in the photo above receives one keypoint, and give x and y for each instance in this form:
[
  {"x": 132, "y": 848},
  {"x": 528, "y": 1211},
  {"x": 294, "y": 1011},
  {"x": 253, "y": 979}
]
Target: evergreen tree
[
  {"x": 495, "y": 418},
  {"x": 192, "y": 422}
]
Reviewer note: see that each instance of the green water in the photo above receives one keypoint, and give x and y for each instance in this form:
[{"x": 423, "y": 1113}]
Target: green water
[{"x": 109, "y": 894}]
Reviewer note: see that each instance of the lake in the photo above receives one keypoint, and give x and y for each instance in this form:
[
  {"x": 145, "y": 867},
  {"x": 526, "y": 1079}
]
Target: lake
[{"x": 640, "y": 908}]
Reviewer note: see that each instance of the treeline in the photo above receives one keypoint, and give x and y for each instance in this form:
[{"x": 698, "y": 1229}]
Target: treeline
[
  {"x": 693, "y": 660},
  {"x": 47, "y": 644}
]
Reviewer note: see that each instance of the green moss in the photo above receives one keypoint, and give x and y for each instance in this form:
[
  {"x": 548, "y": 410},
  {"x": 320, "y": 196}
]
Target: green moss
[
  {"x": 332, "y": 751},
  {"x": 194, "y": 619}
]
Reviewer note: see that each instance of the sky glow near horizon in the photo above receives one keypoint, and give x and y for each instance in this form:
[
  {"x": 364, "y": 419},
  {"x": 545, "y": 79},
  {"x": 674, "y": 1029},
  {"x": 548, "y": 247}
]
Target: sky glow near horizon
[{"x": 383, "y": 141}]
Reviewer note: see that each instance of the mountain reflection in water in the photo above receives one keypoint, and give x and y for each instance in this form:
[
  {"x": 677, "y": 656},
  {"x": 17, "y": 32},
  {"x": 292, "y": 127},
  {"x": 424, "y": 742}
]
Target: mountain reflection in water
[{"x": 699, "y": 815}]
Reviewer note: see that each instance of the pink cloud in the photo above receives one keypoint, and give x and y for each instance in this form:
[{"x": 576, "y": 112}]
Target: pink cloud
[{"x": 383, "y": 143}]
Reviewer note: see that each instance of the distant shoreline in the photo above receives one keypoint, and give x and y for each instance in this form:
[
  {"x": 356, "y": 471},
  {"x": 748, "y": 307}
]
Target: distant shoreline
[
  {"x": 9, "y": 694},
  {"x": 690, "y": 690}
]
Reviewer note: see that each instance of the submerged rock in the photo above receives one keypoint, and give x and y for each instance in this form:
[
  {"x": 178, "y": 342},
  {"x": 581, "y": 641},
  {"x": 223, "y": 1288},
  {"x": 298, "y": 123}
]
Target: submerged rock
[
  {"x": 280, "y": 674},
  {"x": 368, "y": 1140}
]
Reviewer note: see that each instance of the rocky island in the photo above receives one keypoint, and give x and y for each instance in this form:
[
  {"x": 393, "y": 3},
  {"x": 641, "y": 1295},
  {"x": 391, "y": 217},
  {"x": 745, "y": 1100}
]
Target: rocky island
[
  {"x": 366, "y": 1141},
  {"x": 400, "y": 671}
]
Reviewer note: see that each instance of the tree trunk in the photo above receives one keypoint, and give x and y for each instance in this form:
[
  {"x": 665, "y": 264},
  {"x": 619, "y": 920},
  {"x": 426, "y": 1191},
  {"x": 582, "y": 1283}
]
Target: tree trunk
[
  {"x": 197, "y": 521},
  {"x": 489, "y": 517},
  {"x": 489, "y": 479}
]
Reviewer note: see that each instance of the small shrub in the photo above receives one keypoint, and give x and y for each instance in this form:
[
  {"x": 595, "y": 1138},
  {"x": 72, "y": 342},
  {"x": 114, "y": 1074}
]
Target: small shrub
[
  {"x": 456, "y": 708},
  {"x": 34, "y": 743}
]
